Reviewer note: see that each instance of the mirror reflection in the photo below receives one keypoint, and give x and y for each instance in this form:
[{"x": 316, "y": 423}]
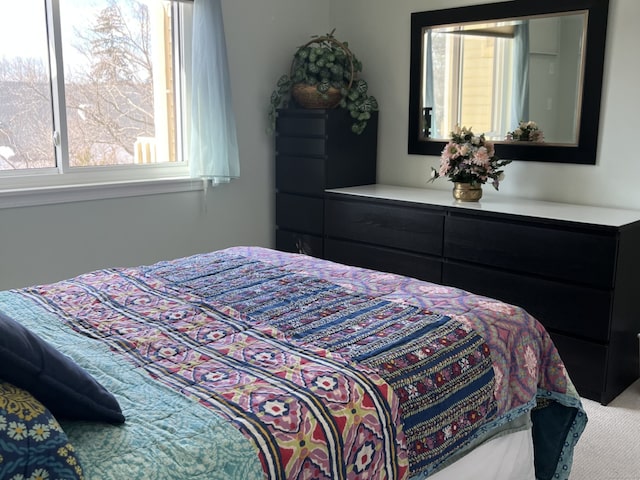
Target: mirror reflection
[{"x": 517, "y": 79}]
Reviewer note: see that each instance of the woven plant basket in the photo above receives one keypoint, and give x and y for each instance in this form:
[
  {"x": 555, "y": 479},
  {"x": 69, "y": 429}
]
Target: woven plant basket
[{"x": 308, "y": 96}]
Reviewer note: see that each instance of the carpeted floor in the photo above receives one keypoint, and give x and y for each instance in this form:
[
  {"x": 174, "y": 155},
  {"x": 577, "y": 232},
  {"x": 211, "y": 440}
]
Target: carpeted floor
[{"x": 609, "y": 449}]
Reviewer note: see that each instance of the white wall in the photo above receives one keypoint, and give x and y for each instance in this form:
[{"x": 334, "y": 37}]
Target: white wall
[
  {"x": 379, "y": 32},
  {"x": 42, "y": 244},
  {"x": 48, "y": 243}
]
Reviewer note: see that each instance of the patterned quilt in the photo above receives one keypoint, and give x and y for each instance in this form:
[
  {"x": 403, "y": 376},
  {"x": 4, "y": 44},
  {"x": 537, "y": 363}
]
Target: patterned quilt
[{"x": 330, "y": 371}]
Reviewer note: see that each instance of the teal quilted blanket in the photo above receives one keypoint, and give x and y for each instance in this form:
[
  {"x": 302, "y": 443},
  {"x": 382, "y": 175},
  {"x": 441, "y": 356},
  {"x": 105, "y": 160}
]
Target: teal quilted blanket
[{"x": 166, "y": 435}]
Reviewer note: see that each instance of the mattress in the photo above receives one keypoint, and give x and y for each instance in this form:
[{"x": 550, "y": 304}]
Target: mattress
[{"x": 253, "y": 363}]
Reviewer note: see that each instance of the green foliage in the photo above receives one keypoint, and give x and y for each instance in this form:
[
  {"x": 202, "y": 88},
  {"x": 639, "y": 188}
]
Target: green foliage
[{"x": 326, "y": 63}]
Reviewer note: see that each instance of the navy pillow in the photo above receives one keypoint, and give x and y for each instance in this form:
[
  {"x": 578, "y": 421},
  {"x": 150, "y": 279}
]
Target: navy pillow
[{"x": 68, "y": 391}]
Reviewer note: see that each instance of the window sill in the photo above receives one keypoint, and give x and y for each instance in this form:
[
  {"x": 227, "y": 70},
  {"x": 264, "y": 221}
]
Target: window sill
[{"x": 47, "y": 195}]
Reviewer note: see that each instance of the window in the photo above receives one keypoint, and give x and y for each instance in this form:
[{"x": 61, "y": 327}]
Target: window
[
  {"x": 472, "y": 83},
  {"x": 91, "y": 91}
]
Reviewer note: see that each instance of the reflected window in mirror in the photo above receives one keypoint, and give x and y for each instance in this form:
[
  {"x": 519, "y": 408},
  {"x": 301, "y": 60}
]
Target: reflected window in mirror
[{"x": 498, "y": 67}]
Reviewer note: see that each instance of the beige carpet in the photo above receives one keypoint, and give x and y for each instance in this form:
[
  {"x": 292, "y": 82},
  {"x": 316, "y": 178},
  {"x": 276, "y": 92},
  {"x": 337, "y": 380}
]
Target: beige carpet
[{"x": 609, "y": 449}]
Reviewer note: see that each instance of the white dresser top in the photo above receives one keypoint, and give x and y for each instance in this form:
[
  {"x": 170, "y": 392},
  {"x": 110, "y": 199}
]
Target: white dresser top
[{"x": 614, "y": 217}]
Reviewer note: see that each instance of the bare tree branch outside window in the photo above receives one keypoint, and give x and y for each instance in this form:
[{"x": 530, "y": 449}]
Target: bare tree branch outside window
[{"x": 109, "y": 90}]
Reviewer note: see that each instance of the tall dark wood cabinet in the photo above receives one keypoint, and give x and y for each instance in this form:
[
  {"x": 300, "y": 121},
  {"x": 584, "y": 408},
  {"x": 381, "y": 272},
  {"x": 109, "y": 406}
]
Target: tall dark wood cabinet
[
  {"x": 316, "y": 150},
  {"x": 575, "y": 268}
]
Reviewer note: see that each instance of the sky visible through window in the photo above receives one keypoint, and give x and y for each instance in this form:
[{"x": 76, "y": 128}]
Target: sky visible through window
[
  {"x": 110, "y": 82},
  {"x": 21, "y": 25},
  {"x": 21, "y": 32}
]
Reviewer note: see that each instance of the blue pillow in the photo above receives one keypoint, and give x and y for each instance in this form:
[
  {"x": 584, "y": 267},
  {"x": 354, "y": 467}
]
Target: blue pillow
[
  {"x": 32, "y": 444},
  {"x": 68, "y": 391}
]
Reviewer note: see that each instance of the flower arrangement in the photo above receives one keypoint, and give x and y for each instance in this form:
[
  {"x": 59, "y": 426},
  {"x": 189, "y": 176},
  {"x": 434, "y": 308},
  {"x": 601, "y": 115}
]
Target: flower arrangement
[
  {"x": 526, "y": 132},
  {"x": 468, "y": 158}
]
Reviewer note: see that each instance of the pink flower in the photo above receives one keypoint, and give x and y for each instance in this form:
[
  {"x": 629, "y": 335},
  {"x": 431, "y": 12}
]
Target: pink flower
[
  {"x": 469, "y": 158},
  {"x": 450, "y": 151},
  {"x": 490, "y": 148},
  {"x": 481, "y": 157}
]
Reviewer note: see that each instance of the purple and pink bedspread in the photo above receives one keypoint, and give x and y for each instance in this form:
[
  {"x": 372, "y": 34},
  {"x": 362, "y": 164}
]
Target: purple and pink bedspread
[{"x": 330, "y": 371}]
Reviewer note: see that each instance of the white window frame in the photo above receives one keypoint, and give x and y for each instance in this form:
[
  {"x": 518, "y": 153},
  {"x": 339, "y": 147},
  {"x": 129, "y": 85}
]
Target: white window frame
[{"x": 63, "y": 184}]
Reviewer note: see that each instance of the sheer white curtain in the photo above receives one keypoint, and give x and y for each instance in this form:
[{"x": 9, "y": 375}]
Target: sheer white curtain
[{"x": 214, "y": 144}]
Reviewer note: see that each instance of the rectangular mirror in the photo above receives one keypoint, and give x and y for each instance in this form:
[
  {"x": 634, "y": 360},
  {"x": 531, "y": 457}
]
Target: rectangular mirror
[{"x": 491, "y": 67}]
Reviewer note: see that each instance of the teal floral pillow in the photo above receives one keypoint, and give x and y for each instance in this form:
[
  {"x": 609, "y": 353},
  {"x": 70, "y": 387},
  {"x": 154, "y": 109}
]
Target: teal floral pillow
[{"x": 33, "y": 446}]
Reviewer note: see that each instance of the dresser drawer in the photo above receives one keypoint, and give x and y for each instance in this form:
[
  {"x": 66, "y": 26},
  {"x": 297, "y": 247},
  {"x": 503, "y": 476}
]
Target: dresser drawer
[
  {"x": 295, "y": 242},
  {"x": 578, "y": 256},
  {"x": 300, "y": 175},
  {"x": 384, "y": 259},
  {"x": 301, "y": 146},
  {"x": 586, "y": 365},
  {"x": 301, "y": 125},
  {"x": 299, "y": 213},
  {"x": 413, "y": 229},
  {"x": 561, "y": 307}
]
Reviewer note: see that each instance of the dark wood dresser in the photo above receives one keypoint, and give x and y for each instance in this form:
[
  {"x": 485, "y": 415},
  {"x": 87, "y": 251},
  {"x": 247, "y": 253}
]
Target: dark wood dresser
[
  {"x": 316, "y": 150},
  {"x": 575, "y": 268}
]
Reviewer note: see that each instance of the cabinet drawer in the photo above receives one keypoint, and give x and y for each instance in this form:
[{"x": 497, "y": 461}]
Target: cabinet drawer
[
  {"x": 571, "y": 309},
  {"x": 299, "y": 213},
  {"x": 586, "y": 365},
  {"x": 301, "y": 125},
  {"x": 300, "y": 175},
  {"x": 384, "y": 259},
  {"x": 578, "y": 256},
  {"x": 296, "y": 242},
  {"x": 413, "y": 229},
  {"x": 303, "y": 146}
]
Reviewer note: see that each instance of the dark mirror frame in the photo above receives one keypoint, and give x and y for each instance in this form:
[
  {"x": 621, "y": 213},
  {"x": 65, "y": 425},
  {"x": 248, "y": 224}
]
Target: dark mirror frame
[{"x": 585, "y": 151}]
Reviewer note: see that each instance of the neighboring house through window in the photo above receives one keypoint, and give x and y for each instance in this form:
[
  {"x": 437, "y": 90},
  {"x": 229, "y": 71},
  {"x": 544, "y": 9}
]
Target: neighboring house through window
[{"x": 472, "y": 80}]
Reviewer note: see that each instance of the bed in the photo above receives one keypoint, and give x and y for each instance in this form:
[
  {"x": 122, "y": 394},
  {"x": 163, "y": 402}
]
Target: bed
[{"x": 253, "y": 363}]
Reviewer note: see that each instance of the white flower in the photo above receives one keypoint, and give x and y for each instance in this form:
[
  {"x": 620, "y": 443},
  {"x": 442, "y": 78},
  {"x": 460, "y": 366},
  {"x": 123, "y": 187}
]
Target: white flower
[
  {"x": 39, "y": 474},
  {"x": 364, "y": 457},
  {"x": 39, "y": 432},
  {"x": 17, "y": 430},
  {"x": 275, "y": 408},
  {"x": 411, "y": 389},
  {"x": 54, "y": 425},
  {"x": 326, "y": 382},
  {"x": 464, "y": 364}
]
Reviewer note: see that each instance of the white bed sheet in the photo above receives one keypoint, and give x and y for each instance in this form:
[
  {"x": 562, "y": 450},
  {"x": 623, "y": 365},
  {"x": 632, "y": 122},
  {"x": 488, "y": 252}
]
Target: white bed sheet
[{"x": 509, "y": 457}]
